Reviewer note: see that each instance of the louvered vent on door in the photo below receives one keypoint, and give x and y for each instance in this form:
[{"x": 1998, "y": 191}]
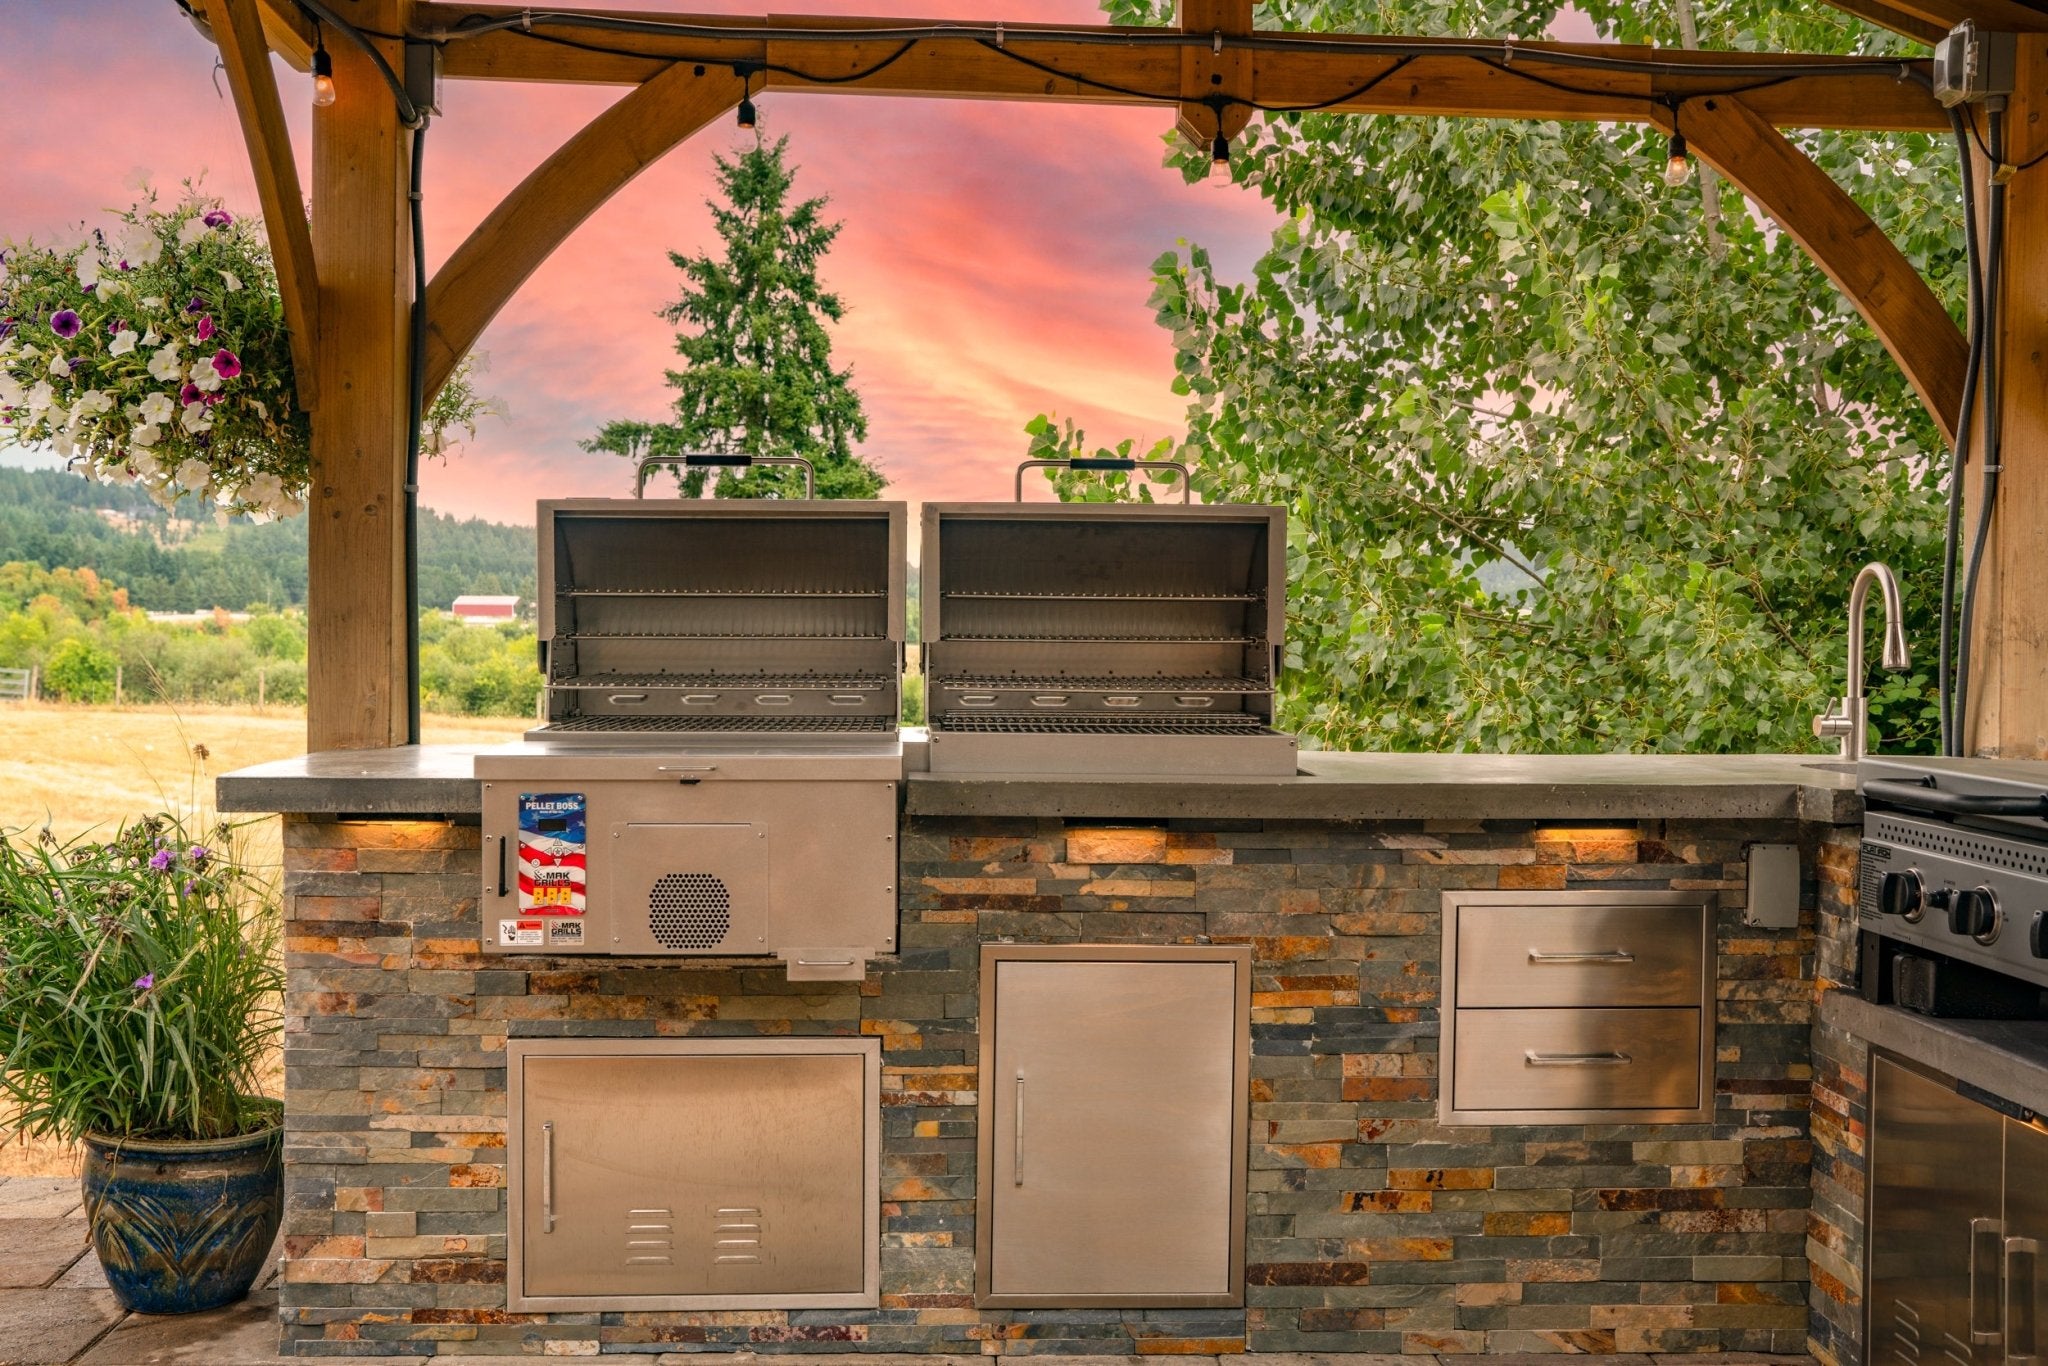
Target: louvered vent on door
[{"x": 689, "y": 911}]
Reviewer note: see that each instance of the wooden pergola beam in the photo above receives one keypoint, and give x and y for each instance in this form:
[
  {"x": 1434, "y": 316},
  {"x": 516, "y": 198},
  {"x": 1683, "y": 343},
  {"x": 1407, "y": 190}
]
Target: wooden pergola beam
[
  {"x": 551, "y": 203},
  {"x": 1928, "y": 20},
  {"x": 1843, "y": 241},
  {"x": 288, "y": 31},
  {"x": 238, "y": 28},
  {"x": 1449, "y": 79}
]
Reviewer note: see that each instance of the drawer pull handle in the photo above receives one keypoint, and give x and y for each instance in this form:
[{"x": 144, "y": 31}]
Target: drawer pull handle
[
  {"x": 1535, "y": 1059},
  {"x": 2018, "y": 1313},
  {"x": 686, "y": 768},
  {"x": 1987, "y": 1235},
  {"x": 824, "y": 962},
  {"x": 1017, "y": 1148},
  {"x": 627, "y": 699},
  {"x": 1615, "y": 956}
]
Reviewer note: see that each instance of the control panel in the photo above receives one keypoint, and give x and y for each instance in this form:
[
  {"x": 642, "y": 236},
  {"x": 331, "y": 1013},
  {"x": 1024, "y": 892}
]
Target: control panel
[{"x": 1966, "y": 893}]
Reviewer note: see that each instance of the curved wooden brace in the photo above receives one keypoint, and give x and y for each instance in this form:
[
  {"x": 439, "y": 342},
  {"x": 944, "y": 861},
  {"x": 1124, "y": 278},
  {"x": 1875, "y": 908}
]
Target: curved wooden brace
[
  {"x": 1842, "y": 240},
  {"x": 561, "y": 193}
]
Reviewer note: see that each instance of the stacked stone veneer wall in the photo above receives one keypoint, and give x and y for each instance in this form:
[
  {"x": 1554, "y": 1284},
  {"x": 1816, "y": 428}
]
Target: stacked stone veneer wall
[
  {"x": 1371, "y": 1227},
  {"x": 1841, "y": 1113}
]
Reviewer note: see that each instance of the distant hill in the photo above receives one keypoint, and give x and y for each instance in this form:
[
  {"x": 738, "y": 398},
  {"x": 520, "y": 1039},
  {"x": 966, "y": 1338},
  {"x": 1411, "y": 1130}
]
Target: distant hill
[{"x": 180, "y": 561}]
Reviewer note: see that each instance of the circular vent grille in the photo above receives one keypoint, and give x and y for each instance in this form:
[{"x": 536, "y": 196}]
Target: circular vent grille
[{"x": 689, "y": 911}]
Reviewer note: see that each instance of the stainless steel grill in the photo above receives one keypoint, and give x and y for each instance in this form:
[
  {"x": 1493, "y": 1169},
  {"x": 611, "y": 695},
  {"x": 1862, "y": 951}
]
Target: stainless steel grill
[
  {"x": 718, "y": 768},
  {"x": 1054, "y": 631}
]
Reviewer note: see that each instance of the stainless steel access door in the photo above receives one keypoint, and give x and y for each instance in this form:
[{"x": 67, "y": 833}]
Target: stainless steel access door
[
  {"x": 694, "y": 1173},
  {"x": 1936, "y": 1167},
  {"x": 2024, "y": 1295},
  {"x": 1112, "y": 1126}
]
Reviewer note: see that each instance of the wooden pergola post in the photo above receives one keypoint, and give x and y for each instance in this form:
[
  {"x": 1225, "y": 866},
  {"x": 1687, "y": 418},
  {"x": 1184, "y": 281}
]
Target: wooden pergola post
[
  {"x": 357, "y": 669},
  {"x": 2009, "y": 664}
]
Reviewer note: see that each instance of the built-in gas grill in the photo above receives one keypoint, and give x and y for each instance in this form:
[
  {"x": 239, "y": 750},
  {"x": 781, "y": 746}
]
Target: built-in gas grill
[
  {"x": 718, "y": 766},
  {"x": 1104, "y": 638},
  {"x": 1954, "y": 871}
]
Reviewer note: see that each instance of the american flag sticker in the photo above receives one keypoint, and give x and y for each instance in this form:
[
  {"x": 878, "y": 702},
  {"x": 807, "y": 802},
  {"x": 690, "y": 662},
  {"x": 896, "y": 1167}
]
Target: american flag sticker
[{"x": 553, "y": 852}]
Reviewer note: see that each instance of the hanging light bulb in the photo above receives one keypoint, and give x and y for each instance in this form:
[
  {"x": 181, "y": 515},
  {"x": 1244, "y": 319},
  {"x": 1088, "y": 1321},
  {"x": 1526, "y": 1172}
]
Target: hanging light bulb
[
  {"x": 749, "y": 116},
  {"x": 1219, "y": 152},
  {"x": 1677, "y": 163},
  {"x": 323, "y": 76}
]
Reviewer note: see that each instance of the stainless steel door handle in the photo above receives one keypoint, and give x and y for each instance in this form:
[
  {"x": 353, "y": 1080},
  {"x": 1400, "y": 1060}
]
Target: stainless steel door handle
[
  {"x": 1984, "y": 1297},
  {"x": 1535, "y": 1059},
  {"x": 1604, "y": 956},
  {"x": 547, "y": 1177},
  {"x": 1017, "y": 1149},
  {"x": 686, "y": 768},
  {"x": 2017, "y": 1313}
]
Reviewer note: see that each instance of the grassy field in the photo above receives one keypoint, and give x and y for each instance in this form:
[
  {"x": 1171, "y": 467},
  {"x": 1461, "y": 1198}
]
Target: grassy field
[{"x": 76, "y": 768}]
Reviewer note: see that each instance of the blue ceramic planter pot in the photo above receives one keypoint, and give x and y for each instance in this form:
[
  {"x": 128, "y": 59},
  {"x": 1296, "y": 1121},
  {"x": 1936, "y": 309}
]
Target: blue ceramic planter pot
[{"x": 182, "y": 1227}]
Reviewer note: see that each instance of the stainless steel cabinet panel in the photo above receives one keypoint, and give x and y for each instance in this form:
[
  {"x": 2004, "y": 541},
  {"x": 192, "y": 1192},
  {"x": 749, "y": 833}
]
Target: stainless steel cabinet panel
[
  {"x": 1113, "y": 1126},
  {"x": 2024, "y": 1296},
  {"x": 694, "y": 1173},
  {"x": 1580, "y": 955},
  {"x": 1596, "y": 1059},
  {"x": 1935, "y": 1229}
]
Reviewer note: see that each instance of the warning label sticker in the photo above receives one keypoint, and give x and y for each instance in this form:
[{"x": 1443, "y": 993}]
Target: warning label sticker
[
  {"x": 519, "y": 934},
  {"x": 553, "y": 852}
]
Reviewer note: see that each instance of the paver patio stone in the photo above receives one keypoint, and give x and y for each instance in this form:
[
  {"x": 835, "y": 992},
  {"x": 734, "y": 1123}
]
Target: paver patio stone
[
  {"x": 39, "y": 1197},
  {"x": 46, "y": 1327},
  {"x": 85, "y": 1274},
  {"x": 34, "y": 1252},
  {"x": 237, "y": 1335}
]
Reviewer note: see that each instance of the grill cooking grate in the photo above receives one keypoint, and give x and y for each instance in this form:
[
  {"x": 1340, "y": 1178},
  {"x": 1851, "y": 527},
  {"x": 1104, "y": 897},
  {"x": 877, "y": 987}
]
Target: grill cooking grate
[
  {"x": 781, "y": 682},
  {"x": 1105, "y": 683},
  {"x": 995, "y": 723},
  {"x": 719, "y": 725},
  {"x": 1021, "y": 596},
  {"x": 1045, "y": 638}
]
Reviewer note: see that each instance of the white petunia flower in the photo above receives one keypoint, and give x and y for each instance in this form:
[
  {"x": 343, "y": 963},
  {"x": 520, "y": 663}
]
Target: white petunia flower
[
  {"x": 139, "y": 245},
  {"x": 195, "y": 418},
  {"x": 95, "y": 402},
  {"x": 164, "y": 364},
  {"x": 64, "y": 444},
  {"x": 41, "y": 397},
  {"x": 191, "y": 230},
  {"x": 151, "y": 338},
  {"x": 145, "y": 435},
  {"x": 142, "y": 462},
  {"x": 11, "y": 392},
  {"x": 59, "y": 367},
  {"x": 228, "y": 278},
  {"x": 90, "y": 471},
  {"x": 89, "y": 267},
  {"x": 164, "y": 494},
  {"x": 193, "y": 474},
  {"x": 153, "y": 302},
  {"x": 124, "y": 342},
  {"x": 158, "y": 409}
]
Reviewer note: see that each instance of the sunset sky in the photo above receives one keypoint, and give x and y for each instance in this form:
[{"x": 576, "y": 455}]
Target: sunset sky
[{"x": 994, "y": 260}]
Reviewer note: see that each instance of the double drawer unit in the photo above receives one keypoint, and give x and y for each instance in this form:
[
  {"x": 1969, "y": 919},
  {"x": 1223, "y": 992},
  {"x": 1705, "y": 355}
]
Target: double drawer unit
[{"x": 1577, "y": 1007}]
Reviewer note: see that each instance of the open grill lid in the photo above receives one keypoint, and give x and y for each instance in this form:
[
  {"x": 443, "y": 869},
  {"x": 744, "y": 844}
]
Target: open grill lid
[
  {"x": 1055, "y": 631},
  {"x": 681, "y": 621}
]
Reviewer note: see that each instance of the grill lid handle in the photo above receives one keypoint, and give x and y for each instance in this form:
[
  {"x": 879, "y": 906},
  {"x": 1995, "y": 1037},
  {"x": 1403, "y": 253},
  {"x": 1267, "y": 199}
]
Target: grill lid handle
[
  {"x": 1925, "y": 796},
  {"x": 1096, "y": 462},
  {"x": 709, "y": 460}
]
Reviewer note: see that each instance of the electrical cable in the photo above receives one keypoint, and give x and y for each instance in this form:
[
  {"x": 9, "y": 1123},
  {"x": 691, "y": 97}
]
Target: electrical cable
[
  {"x": 1994, "y": 425},
  {"x": 407, "y": 113},
  {"x": 1960, "y": 453},
  {"x": 2010, "y": 171}
]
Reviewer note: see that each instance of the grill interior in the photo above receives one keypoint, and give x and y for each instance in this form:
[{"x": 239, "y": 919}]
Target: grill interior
[
  {"x": 697, "y": 618},
  {"x": 1102, "y": 620}
]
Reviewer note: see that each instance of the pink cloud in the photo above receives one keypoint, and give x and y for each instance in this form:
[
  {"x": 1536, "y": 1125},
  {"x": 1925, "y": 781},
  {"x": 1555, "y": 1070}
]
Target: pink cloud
[{"x": 994, "y": 261}]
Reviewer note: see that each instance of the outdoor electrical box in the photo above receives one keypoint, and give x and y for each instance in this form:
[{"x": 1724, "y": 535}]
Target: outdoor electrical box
[
  {"x": 1773, "y": 902},
  {"x": 1971, "y": 67}
]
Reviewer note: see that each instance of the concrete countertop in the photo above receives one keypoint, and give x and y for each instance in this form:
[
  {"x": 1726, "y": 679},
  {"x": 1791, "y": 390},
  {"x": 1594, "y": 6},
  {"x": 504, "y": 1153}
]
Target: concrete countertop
[
  {"x": 2008, "y": 1058},
  {"x": 436, "y": 780}
]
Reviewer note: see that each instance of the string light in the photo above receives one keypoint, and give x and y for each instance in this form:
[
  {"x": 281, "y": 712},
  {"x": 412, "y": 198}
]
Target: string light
[
  {"x": 323, "y": 73},
  {"x": 748, "y": 115},
  {"x": 1219, "y": 146},
  {"x": 1677, "y": 161}
]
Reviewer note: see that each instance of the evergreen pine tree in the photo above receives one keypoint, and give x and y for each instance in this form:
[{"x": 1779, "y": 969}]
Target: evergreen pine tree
[{"x": 757, "y": 376}]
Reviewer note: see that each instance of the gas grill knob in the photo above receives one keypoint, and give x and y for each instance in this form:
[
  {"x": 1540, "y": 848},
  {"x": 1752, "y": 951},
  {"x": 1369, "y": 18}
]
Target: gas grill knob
[
  {"x": 1975, "y": 913},
  {"x": 2037, "y": 938},
  {"x": 1902, "y": 894}
]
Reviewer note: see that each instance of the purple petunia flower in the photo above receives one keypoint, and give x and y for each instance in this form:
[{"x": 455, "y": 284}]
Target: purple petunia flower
[
  {"x": 6, "y": 328},
  {"x": 226, "y": 364},
  {"x": 195, "y": 305},
  {"x": 218, "y": 218},
  {"x": 206, "y": 327},
  {"x": 145, "y": 982},
  {"x": 65, "y": 323},
  {"x": 210, "y": 399},
  {"x": 76, "y": 363},
  {"x": 162, "y": 859},
  {"x": 189, "y": 395},
  {"x": 117, "y": 327}
]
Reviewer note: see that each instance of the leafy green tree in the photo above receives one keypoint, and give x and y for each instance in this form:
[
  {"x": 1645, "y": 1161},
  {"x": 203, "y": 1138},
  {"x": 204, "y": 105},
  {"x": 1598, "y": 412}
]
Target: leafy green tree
[
  {"x": 81, "y": 671},
  {"x": 757, "y": 377},
  {"x": 1575, "y": 461}
]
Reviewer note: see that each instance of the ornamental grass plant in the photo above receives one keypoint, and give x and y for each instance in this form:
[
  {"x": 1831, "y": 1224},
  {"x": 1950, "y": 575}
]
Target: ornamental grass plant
[{"x": 139, "y": 984}]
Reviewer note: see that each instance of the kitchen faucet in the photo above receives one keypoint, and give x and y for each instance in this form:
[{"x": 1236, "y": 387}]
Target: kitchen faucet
[{"x": 1848, "y": 716}]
